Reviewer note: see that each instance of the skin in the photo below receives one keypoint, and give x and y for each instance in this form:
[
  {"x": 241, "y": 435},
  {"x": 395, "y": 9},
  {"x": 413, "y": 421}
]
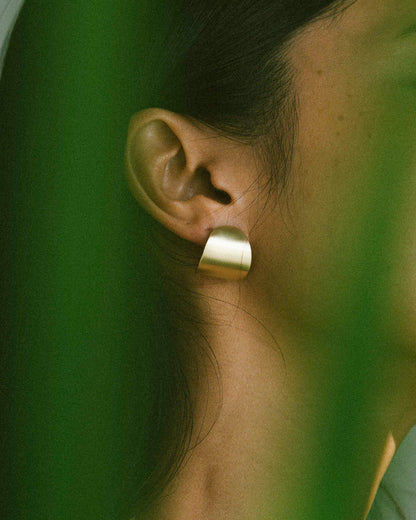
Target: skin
[{"x": 355, "y": 78}]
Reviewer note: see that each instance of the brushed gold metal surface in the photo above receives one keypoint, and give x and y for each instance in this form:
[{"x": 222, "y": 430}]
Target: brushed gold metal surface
[{"x": 227, "y": 254}]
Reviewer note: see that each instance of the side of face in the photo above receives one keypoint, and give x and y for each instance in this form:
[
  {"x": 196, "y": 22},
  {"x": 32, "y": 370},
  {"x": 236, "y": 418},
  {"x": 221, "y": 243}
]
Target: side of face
[
  {"x": 349, "y": 239},
  {"x": 341, "y": 242}
]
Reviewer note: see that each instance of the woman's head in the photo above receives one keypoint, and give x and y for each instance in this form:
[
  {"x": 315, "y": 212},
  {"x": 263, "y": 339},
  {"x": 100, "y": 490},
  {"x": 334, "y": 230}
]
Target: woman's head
[
  {"x": 219, "y": 71},
  {"x": 292, "y": 121},
  {"x": 248, "y": 94}
]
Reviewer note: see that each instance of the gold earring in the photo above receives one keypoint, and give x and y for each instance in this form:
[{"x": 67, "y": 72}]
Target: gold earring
[{"x": 227, "y": 254}]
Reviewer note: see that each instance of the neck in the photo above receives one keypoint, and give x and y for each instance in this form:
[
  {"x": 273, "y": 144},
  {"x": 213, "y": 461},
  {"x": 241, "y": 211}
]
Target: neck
[{"x": 273, "y": 439}]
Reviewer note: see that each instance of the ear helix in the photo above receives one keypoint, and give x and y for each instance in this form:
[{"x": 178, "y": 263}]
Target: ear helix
[{"x": 227, "y": 254}]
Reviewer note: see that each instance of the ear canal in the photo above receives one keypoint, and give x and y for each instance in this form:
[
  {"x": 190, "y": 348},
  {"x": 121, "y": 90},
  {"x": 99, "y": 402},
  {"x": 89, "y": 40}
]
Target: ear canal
[
  {"x": 202, "y": 185},
  {"x": 227, "y": 254}
]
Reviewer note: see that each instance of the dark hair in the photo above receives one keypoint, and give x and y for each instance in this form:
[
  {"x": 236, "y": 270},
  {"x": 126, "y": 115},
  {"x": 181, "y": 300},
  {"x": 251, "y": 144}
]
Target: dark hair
[{"x": 224, "y": 63}]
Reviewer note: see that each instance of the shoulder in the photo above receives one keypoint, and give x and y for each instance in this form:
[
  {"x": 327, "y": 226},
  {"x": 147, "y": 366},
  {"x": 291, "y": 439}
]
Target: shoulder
[{"x": 396, "y": 497}]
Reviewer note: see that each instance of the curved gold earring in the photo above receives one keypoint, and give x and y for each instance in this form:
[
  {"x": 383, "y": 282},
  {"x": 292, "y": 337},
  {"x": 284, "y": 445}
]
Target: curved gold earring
[{"x": 227, "y": 254}]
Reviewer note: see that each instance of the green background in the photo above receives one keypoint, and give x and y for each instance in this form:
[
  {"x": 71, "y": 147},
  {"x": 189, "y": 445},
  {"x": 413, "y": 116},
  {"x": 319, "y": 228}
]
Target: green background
[{"x": 74, "y": 269}]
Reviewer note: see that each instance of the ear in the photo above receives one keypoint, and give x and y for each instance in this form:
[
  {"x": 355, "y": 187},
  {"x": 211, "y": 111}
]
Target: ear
[{"x": 186, "y": 176}]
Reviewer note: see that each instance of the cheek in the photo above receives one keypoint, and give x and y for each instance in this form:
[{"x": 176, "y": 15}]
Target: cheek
[
  {"x": 401, "y": 258},
  {"x": 351, "y": 249},
  {"x": 349, "y": 254}
]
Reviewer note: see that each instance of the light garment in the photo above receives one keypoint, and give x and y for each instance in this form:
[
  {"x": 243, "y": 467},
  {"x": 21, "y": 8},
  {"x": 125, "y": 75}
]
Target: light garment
[
  {"x": 9, "y": 11},
  {"x": 398, "y": 485}
]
